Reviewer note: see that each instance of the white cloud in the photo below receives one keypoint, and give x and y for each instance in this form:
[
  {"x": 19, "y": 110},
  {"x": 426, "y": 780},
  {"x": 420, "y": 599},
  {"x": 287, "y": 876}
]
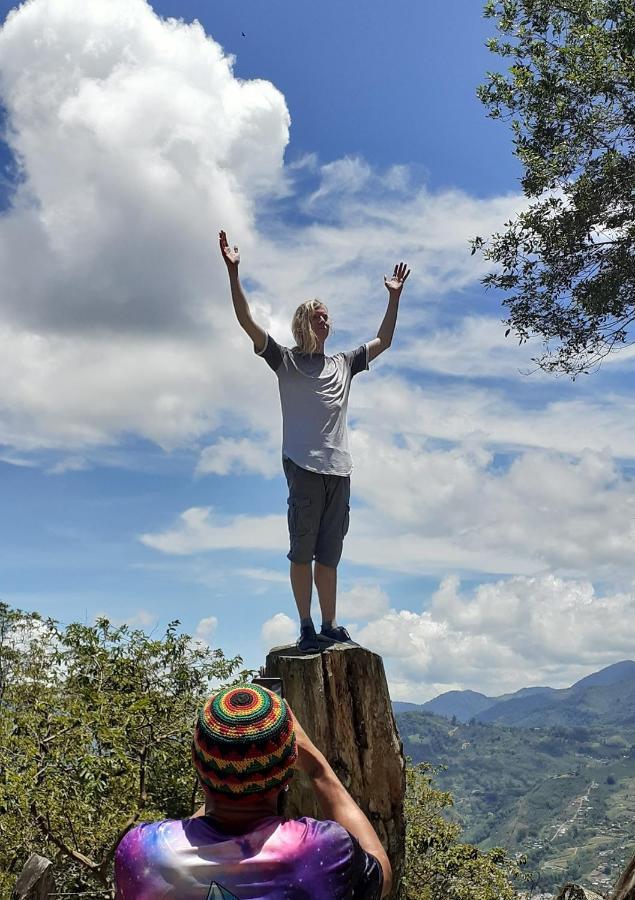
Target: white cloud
[
  {"x": 348, "y": 175},
  {"x": 279, "y": 630},
  {"x": 135, "y": 141},
  {"x": 362, "y": 602},
  {"x": 240, "y": 455},
  {"x": 459, "y": 412},
  {"x": 69, "y": 464},
  {"x": 205, "y": 630},
  {"x": 20, "y": 462},
  {"x": 200, "y": 528},
  {"x": 474, "y": 347},
  {"x": 75, "y": 392},
  {"x": 501, "y": 636},
  {"x": 125, "y": 125},
  {"x": 437, "y": 509},
  {"x": 264, "y": 575},
  {"x": 141, "y": 618}
]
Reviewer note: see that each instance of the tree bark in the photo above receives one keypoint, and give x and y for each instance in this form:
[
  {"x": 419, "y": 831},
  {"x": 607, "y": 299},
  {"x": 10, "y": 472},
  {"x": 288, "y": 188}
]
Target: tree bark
[
  {"x": 341, "y": 699},
  {"x": 625, "y": 887},
  {"x": 35, "y": 880}
]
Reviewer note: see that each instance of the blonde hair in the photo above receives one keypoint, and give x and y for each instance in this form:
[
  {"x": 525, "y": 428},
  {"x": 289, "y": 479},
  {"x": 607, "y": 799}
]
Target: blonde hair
[{"x": 303, "y": 334}]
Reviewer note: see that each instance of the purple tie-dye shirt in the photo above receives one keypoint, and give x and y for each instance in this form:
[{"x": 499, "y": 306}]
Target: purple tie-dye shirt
[{"x": 192, "y": 860}]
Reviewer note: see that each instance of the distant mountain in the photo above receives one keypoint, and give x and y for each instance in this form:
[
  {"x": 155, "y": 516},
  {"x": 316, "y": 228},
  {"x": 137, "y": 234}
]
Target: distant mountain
[
  {"x": 621, "y": 671},
  {"x": 399, "y": 706},
  {"x": 604, "y": 697},
  {"x": 465, "y": 705},
  {"x": 525, "y": 692}
]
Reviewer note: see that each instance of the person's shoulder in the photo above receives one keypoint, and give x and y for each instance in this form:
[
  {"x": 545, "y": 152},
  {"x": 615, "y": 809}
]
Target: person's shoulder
[
  {"x": 318, "y": 831},
  {"x": 339, "y": 852},
  {"x": 145, "y": 832},
  {"x": 273, "y": 353},
  {"x": 340, "y": 360},
  {"x": 282, "y": 346},
  {"x": 357, "y": 359}
]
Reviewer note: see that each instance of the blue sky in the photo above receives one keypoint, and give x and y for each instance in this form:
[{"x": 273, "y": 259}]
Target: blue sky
[{"x": 139, "y": 436}]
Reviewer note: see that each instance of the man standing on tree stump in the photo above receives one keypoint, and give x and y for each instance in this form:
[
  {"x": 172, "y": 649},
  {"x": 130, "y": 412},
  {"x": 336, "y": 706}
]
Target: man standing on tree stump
[{"x": 314, "y": 391}]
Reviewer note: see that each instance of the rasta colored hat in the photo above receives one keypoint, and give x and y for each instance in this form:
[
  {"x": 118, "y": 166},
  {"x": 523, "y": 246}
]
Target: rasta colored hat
[{"x": 244, "y": 742}]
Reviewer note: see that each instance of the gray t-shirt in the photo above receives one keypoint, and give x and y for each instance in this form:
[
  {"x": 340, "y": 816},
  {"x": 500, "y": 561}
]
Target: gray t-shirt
[{"x": 314, "y": 391}]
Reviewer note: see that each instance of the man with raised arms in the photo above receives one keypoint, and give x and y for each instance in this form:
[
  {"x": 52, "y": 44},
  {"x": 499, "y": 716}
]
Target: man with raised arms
[{"x": 314, "y": 391}]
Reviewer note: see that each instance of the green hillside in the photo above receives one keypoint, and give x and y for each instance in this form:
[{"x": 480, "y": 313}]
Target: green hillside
[
  {"x": 589, "y": 704},
  {"x": 564, "y": 796}
]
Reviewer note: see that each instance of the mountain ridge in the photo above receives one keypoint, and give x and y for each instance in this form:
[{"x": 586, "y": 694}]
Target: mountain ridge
[{"x": 591, "y": 699}]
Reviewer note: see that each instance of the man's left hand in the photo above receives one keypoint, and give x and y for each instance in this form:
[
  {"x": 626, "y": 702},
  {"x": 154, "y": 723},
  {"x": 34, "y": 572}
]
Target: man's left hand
[{"x": 396, "y": 283}]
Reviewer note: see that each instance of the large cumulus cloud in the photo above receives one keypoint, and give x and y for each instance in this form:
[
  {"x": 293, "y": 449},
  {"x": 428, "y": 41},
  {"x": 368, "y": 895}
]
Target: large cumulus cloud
[
  {"x": 133, "y": 136},
  {"x": 134, "y": 141}
]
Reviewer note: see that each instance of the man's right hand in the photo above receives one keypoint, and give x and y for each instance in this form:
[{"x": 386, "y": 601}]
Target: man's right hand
[{"x": 231, "y": 257}]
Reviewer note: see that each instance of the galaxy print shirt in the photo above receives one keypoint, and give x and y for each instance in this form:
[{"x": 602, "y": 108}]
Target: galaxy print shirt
[{"x": 192, "y": 860}]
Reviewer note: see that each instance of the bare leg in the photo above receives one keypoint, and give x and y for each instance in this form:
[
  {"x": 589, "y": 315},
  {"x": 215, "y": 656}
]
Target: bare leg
[
  {"x": 326, "y": 584},
  {"x": 302, "y": 585}
]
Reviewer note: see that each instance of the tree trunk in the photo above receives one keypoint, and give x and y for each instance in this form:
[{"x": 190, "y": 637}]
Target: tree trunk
[
  {"x": 625, "y": 887},
  {"x": 341, "y": 700},
  {"x": 35, "y": 881}
]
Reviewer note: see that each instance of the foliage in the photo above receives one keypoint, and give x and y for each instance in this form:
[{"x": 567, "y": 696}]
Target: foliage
[
  {"x": 567, "y": 262},
  {"x": 95, "y": 733},
  {"x": 438, "y": 865}
]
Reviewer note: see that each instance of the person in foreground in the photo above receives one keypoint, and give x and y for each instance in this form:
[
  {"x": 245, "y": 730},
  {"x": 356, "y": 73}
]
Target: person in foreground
[
  {"x": 314, "y": 391},
  {"x": 246, "y": 746}
]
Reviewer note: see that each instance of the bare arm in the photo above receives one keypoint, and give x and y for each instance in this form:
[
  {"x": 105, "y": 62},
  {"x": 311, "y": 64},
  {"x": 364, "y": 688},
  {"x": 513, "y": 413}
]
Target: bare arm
[
  {"x": 241, "y": 307},
  {"x": 337, "y": 804},
  {"x": 394, "y": 286}
]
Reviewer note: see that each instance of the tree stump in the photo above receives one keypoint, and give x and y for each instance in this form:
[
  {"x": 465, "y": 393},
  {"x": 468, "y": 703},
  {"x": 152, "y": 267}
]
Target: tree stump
[
  {"x": 35, "y": 881},
  {"x": 340, "y": 697}
]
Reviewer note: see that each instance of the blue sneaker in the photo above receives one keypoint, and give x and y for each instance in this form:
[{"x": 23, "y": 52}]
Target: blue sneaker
[
  {"x": 308, "y": 642},
  {"x": 336, "y": 635}
]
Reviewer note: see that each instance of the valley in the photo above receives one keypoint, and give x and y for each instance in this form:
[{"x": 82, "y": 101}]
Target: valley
[{"x": 562, "y": 795}]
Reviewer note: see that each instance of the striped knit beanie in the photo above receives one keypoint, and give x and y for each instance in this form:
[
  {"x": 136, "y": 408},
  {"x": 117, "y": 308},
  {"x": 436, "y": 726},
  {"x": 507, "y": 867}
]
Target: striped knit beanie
[{"x": 244, "y": 742}]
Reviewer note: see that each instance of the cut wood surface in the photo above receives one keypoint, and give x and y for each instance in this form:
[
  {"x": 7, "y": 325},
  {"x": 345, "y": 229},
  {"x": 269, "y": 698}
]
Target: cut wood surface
[{"x": 341, "y": 699}]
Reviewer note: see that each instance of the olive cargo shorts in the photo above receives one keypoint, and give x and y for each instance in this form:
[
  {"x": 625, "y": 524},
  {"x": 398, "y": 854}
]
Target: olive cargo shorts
[{"x": 318, "y": 514}]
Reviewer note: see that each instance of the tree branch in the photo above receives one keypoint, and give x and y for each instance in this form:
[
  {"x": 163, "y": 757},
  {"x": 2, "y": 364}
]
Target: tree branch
[
  {"x": 110, "y": 852},
  {"x": 44, "y": 827},
  {"x": 54, "y": 737},
  {"x": 143, "y": 796}
]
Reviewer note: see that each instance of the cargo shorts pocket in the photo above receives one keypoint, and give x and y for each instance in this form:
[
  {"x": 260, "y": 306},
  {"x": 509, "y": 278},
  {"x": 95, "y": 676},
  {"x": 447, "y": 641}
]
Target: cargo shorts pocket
[
  {"x": 299, "y": 516},
  {"x": 347, "y": 521}
]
